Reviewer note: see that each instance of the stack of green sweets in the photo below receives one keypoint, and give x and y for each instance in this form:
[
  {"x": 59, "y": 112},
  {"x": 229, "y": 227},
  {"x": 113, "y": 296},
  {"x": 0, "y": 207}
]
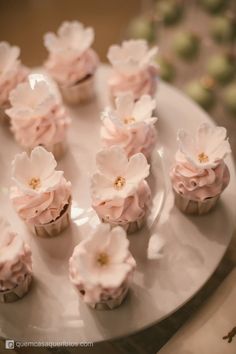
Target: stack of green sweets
[{"x": 197, "y": 42}]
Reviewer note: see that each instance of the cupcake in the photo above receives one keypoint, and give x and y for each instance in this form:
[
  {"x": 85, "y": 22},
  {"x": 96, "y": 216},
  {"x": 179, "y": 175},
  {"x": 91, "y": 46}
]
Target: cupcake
[
  {"x": 200, "y": 174},
  {"x": 130, "y": 125},
  {"x": 120, "y": 193},
  {"x": 15, "y": 265},
  {"x": 134, "y": 69},
  {"x": 12, "y": 72},
  {"x": 38, "y": 118},
  {"x": 101, "y": 267},
  {"x": 71, "y": 61},
  {"x": 41, "y": 195}
]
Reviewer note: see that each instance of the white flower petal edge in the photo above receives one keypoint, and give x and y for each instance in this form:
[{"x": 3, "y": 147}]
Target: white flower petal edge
[
  {"x": 71, "y": 36},
  {"x": 101, "y": 258},
  {"x": 8, "y": 57},
  {"x": 131, "y": 56},
  {"x": 36, "y": 173},
  {"x": 128, "y": 112},
  {"x": 118, "y": 177},
  {"x": 207, "y": 148}
]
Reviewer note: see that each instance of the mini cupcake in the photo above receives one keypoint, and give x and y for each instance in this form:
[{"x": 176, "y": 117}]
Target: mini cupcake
[
  {"x": 120, "y": 193},
  {"x": 134, "y": 69},
  {"x": 101, "y": 267},
  {"x": 38, "y": 118},
  {"x": 12, "y": 72},
  {"x": 130, "y": 125},
  {"x": 71, "y": 62},
  {"x": 41, "y": 195},
  {"x": 15, "y": 265},
  {"x": 200, "y": 174}
]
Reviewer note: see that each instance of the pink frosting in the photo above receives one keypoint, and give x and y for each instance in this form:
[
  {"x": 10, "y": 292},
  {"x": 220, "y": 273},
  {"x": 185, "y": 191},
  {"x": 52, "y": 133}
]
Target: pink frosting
[
  {"x": 122, "y": 211},
  {"x": 68, "y": 70},
  {"x": 8, "y": 83},
  {"x": 134, "y": 138},
  {"x": 95, "y": 294},
  {"x": 15, "y": 260},
  {"x": 41, "y": 208},
  {"x": 196, "y": 184},
  {"x": 140, "y": 83},
  {"x": 47, "y": 130}
]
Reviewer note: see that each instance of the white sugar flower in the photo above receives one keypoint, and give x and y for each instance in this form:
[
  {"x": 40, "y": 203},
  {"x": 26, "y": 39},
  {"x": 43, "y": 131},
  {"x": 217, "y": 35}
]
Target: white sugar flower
[
  {"x": 8, "y": 59},
  {"x": 36, "y": 174},
  {"x": 29, "y": 101},
  {"x": 131, "y": 56},
  {"x": 101, "y": 257},
  {"x": 118, "y": 176},
  {"x": 72, "y": 37},
  {"x": 207, "y": 148},
  {"x": 130, "y": 112}
]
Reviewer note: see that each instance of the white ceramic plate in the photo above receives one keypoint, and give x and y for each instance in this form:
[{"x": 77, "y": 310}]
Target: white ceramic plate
[{"x": 194, "y": 245}]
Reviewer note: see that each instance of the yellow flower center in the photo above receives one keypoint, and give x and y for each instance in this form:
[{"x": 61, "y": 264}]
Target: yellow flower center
[
  {"x": 35, "y": 183},
  {"x": 119, "y": 183},
  {"x": 103, "y": 259},
  {"x": 129, "y": 120},
  {"x": 202, "y": 157}
]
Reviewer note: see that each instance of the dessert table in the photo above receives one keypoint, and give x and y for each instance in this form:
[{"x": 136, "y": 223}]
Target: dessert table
[{"x": 193, "y": 246}]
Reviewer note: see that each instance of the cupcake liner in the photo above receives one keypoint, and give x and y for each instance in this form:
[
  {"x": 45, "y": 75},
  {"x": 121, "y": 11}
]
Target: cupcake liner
[
  {"x": 79, "y": 93},
  {"x": 193, "y": 207},
  {"x": 129, "y": 227},
  {"x": 54, "y": 228},
  {"x": 112, "y": 303},
  {"x": 18, "y": 292}
]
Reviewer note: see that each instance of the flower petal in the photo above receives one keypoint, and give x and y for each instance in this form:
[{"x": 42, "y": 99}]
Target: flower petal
[
  {"x": 101, "y": 187},
  {"x": 143, "y": 108},
  {"x": 112, "y": 162},
  {"x": 113, "y": 275},
  {"x": 21, "y": 169},
  {"x": 118, "y": 245},
  {"x": 187, "y": 145},
  {"x": 124, "y": 105},
  {"x": 138, "y": 169},
  {"x": 43, "y": 163}
]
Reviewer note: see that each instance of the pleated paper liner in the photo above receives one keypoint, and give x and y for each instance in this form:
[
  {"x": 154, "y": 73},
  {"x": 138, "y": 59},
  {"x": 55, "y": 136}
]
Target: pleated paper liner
[{"x": 17, "y": 292}]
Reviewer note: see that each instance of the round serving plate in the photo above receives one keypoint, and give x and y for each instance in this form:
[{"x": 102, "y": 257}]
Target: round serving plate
[{"x": 194, "y": 245}]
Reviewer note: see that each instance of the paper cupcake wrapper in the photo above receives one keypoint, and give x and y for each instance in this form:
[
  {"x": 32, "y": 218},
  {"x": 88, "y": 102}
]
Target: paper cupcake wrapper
[
  {"x": 110, "y": 304},
  {"x": 18, "y": 292},
  {"x": 129, "y": 227},
  {"x": 54, "y": 228},
  {"x": 79, "y": 93},
  {"x": 193, "y": 207}
]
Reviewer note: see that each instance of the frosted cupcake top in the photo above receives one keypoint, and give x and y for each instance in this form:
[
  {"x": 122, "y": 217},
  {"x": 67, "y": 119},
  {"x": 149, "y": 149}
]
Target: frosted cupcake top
[
  {"x": 37, "y": 116},
  {"x": 131, "y": 56},
  {"x": 11, "y": 70},
  {"x": 200, "y": 171},
  {"x": 70, "y": 56},
  {"x": 134, "y": 69},
  {"x": 40, "y": 193},
  {"x": 130, "y": 124},
  {"x": 101, "y": 261},
  {"x": 117, "y": 177},
  {"x": 15, "y": 258}
]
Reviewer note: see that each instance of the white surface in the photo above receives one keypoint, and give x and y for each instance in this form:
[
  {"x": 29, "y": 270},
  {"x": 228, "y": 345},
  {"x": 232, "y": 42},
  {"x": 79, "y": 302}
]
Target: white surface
[{"x": 193, "y": 245}]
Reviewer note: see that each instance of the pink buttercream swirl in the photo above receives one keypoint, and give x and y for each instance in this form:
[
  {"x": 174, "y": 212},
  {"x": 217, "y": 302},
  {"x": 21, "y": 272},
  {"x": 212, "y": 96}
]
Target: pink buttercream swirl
[
  {"x": 96, "y": 293},
  {"x": 134, "y": 138},
  {"x": 124, "y": 210},
  {"x": 10, "y": 81},
  {"x": 41, "y": 208},
  {"x": 199, "y": 184},
  {"x": 68, "y": 70},
  {"x": 15, "y": 260},
  {"x": 46, "y": 130},
  {"x": 139, "y": 83}
]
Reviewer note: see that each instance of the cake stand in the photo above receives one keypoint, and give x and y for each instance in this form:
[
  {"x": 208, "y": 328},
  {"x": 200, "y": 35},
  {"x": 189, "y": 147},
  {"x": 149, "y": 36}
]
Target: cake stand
[{"x": 193, "y": 247}]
